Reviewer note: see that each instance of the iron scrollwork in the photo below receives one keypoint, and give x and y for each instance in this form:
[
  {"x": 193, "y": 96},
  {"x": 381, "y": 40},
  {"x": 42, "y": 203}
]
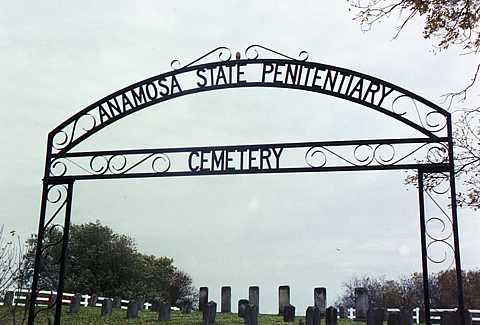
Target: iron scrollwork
[
  {"x": 50, "y": 254},
  {"x": 115, "y": 164},
  {"x": 382, "y": 96},
  {"x": 381, "y": 154},
  {"x": 438, "y": 223}
]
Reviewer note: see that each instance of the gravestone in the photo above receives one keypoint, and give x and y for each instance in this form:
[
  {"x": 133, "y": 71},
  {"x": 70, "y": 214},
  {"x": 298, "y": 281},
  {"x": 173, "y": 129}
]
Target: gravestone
[
  {"x": 117, "y": 302},
  {"x": 312, "y": 316},
  {"x": 406, "y": 316},
  {"x": 242, "y": 307},
  {"x": 226, "y": 306},
  {"x": 155, "y": 305},
  {"x": 107, "y": 305},
  {"x": 186, "y": 306},
  {"x": 141, "y": 302},
  {"x": 453, "y": 317},
  {"x": 370, "y": 317},
  {"x": 8, "y": 300},
  {"x": 254, "y": 296},
  {"x": 320, "y": 299},
  {"x": 51, "y": 299},
  {"x": 209, "y": 313},
  {"x": 283, "y": 298},
  {"x": 468, "y": 318},
  {"x": 393, "y": 318},
  {"x": 331, "y": 316},
  {"x": 203, "y": 298},
  {"x": 342, "y": 312},
  {"x": 28, "y": 299},
  {"x": 132, "y": 309},
  {"x": 164, "y": 311},
  {"x": 75, "y": 303},
  {"x": 422, "y": 315},
  {"x": 289, "y": 313},
  {"x": 375, "y": 316},
  {"x": 92, "y": 302},
  {"x": 251, "y": 315},
  {"x": 361, "y": 303}
]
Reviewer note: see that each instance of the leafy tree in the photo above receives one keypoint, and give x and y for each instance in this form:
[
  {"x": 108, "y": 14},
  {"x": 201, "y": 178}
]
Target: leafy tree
[
  {"x": 104, "y": 262},
  {"x": 450, "y": 24},
  {"x": 156, "y": 275},
  {"x": 181, "y": 289}
]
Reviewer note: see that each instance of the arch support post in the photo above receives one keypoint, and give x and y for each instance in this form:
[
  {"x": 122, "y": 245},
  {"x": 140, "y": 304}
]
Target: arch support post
[
  {"x": 440, "y": 241},
  {"x": 51, "y": 250}
]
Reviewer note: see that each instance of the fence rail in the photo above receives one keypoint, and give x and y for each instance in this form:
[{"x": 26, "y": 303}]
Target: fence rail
[{"x": 45, "y": 297}]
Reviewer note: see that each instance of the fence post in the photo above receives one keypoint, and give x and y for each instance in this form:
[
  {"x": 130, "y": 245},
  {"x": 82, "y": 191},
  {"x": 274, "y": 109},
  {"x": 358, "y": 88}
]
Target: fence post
[{"x": 350, "y": 313}]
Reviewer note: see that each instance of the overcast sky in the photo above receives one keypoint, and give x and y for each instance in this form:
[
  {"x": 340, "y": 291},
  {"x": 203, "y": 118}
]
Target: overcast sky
[{"x": 304, "y": 230}]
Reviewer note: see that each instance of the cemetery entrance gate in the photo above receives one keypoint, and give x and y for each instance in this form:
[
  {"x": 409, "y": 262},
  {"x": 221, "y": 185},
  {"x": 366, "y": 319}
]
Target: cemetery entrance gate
[{"x": 430, "y": 154}]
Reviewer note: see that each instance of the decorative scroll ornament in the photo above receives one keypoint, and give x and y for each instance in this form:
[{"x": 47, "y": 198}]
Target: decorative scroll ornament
[
  {"x": 252, "y": 52},
  {"x": 439, "y": 227},
  {"x": 84, "y": 124},
  {"x": 53, "y": 237},
  {"x": 223, "y": 53},
  {"x": 406, "y": 106},
  {"x": 116, "y": 164},
  {"x": 383, "y": 154}
]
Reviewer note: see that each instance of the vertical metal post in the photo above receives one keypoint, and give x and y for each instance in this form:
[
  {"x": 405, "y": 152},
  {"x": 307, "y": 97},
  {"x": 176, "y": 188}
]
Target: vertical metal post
[
  {"x": 426, "y": 287},
  {"x": 38, "y": 255},
  {"x": 453, "y": 197},
  {"x": 63, "y": 257}
]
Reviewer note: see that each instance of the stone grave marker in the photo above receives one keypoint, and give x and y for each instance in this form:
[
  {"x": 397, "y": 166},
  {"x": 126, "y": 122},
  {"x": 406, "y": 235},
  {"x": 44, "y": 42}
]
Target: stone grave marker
[
  {"x": 393, "y": 318},
  {"x": 312, "y": 316},
  {"x": 406, "y": 316},
  {"x": 320, "y": 299},
  {"x": 92, "y": 302},
  {"x": 251, "y": 315},
  {"x": 8, "y": 300},
  {"x": 164, "y": 311},
  {"x": 361, "y": 304},
  {"x": 75, "y": 304},
  {"x": 331, "y": 316},
  {"x": 209, "y": 313},
  {"x": 289, "y": 313},
  {"x": 132, "y": 309},
  {"x": 186, "y": 306},
  {"x": 254, "y": 296},
  {"x": 107, "y": 305},
  {"x": 283, "y": 298},
  {"x": 203, "y": 298},
  {"x": 117, "y": 302},
  {"x": 242, "y": 307},
  {"x": 226, "y": 306},
  {"x": 155, "y": 305},
  {"x": 141, "y": 302}
]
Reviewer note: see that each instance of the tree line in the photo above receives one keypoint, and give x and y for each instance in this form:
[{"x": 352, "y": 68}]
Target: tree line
[
  {"x": 106, "y": 263},
  {"x": 408, "y": 290}
]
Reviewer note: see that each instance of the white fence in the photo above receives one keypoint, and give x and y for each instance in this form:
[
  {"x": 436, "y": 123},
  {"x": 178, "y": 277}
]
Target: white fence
[
  {"x": 20, "y": 296},
  {"x": 435, "y": 314}
]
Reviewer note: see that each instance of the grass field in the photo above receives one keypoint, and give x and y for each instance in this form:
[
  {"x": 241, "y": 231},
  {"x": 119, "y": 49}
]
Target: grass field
[{"x": 91, "y": 316}]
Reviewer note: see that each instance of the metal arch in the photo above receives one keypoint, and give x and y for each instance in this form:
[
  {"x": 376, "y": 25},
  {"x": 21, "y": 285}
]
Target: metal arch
[
  {"x": 318, "y": 156},
  {"x": 78, "y": 134}
]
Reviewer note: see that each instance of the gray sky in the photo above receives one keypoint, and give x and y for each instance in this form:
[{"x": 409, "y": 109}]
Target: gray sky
[{"x": 266, "y": 230}]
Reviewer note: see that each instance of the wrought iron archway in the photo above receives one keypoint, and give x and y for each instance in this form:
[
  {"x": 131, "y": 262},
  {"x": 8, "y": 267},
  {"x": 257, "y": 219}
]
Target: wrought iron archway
[{"x": 430, "y": 154}]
